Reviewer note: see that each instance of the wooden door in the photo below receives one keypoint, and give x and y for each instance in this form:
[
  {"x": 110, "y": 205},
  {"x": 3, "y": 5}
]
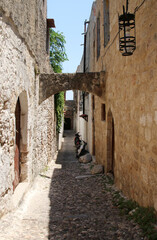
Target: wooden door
[
  {"x": 110, "y": 143},
  {"x": 93, "y": 120},
  {"x": 17, "y": 146}
]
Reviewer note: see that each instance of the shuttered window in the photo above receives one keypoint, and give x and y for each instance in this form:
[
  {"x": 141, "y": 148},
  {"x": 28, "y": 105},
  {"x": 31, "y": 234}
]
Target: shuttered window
[
  {"x": 106, "y": 22},
  {"x": 98, "y": 36},
  {"x": 103, "y": 112}
]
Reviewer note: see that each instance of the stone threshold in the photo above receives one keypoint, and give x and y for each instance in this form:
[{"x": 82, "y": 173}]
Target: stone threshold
[{"x": 19, "y": 193}]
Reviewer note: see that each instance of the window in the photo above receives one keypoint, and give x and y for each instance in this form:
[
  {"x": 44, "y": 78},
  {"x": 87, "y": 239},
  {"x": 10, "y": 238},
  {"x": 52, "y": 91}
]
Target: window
[
  {"x": 103, "y": 112},
  {"x": 106, "y": 22},
  {"x": 94, "y": 47},
  {"x": 98, "y": 36}
]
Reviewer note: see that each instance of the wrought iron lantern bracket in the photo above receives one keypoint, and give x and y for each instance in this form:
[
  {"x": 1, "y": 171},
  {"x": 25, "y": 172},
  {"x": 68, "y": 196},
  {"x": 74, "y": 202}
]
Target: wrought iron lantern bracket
[
  {"x": 84, "y": 116},
  {"x": 127, "y": 39}
]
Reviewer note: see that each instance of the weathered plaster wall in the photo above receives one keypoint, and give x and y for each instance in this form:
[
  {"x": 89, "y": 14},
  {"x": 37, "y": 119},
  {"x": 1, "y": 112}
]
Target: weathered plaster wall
[{"x": 131, "y": 94}]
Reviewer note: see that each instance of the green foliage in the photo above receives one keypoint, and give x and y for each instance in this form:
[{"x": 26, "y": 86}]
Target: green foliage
[
  {"x": 59, "y": 107},
  {"x": 145, "y": 217},
  {"x": 57, "y": 50},
  {"x": 57, "y": 57},
  {"x": 110, "y": 180}
]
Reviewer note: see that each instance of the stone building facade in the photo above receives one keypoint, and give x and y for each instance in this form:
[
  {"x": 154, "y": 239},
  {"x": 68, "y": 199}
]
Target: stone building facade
[
  {"x": 125, "y": 117},
  {"x": 27, "y": 130}
]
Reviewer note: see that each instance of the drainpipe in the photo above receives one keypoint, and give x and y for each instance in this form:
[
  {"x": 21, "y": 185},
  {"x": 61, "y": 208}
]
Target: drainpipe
[{"x": 84, "y": 62}]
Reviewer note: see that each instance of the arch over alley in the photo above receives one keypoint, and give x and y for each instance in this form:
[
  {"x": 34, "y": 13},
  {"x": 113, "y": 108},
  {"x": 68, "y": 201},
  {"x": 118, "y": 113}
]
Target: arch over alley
[{"x": 51, "y": 84}]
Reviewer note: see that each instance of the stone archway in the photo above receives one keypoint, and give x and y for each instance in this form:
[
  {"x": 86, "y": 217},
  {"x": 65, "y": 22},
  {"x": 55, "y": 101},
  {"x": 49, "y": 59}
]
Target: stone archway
[
  {"x": 92, "y": 82},
  {"x": 21, "y": 140},
  {"x": 110, "y": 143}
]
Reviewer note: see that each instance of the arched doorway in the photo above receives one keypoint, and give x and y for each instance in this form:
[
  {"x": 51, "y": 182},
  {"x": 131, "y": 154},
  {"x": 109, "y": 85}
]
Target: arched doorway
[
  {"x": 17, "y": 168},
  {"x": 21, "y": 140},
  {"x": 110, "y": 143},
  {"x": 93, "y": 125}
]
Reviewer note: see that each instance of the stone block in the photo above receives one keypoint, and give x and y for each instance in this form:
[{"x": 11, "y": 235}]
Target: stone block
[
  {"x": 155, "y": 117},
  {"x": 155, "y": 204},
  {"x": 143, "y": 120},
  {"x": 149, "y": 120},
  {"x": 154, "y": 149},
  {"x": 94, "y": 159},
  {"x": 148, "y": 134},
  {"x": 85, "y": 158},
  {"x": 97, "y": 169}
]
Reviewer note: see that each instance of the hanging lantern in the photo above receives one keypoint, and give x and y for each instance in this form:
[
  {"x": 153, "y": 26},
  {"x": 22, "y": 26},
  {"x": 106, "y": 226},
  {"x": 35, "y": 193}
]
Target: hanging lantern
[{"x": 127, "y": 41}]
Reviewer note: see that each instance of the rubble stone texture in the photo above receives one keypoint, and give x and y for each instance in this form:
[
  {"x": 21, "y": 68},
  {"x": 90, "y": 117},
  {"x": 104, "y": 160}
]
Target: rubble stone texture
[
  {"x": 28, "y": 20},
  {"x": 56, "y": 82},
  {"x": 62, "y": 206},
  {"x": 22, "y": 57}
]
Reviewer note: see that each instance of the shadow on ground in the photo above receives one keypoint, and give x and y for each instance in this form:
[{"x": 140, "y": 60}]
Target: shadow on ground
[{"x": 80, "y": 207}]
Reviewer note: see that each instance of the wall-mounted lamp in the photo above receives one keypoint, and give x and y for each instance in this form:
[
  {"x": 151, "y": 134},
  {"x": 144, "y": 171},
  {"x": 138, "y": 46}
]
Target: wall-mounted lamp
[
  {"x": 84, "y": 116},
  {"x": 127, "y": 40}
]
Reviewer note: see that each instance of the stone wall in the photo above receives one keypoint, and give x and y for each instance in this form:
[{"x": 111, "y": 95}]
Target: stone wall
[
  {"x": 22, "y": 57},
  {"x": 131, "y": 98},
  {"x": 28, "y": 20}
]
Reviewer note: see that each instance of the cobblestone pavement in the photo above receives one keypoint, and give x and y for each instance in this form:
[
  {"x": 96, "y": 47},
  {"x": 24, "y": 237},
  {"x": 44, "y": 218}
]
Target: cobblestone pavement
[{"x": 67, "y": 203}]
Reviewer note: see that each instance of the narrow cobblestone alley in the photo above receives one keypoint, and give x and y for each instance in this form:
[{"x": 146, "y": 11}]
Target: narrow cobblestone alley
[{"x": 66, "y": 202}]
